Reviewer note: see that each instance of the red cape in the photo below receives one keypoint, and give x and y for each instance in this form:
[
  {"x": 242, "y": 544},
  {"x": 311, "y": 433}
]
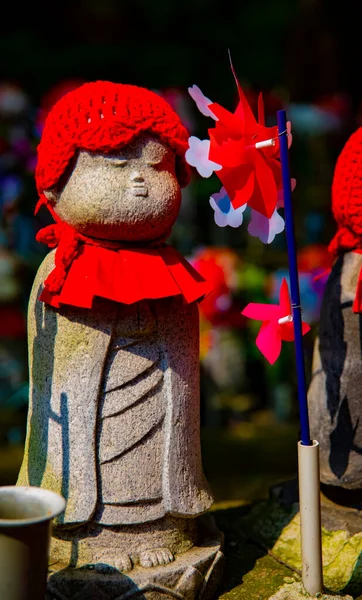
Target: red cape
[{"x": 127, "y": 276}]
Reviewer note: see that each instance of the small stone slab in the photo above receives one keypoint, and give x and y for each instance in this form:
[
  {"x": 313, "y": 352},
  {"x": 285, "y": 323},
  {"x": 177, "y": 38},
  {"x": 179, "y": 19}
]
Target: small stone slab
[
  {"x": 295, "y": 591},
  {"x": 276, "y": 527},
  {"x": 255, "y": 566}
]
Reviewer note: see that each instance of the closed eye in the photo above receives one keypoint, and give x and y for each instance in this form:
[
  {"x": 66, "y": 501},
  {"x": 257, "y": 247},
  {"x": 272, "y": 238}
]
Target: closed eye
[
  {"x": 161, "y": 165},
  {"x": 118, "y": 162}
]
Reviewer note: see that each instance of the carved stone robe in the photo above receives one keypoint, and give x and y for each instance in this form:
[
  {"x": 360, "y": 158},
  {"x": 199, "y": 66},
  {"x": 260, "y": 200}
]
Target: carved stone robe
[{"x": 113, "y": 422}]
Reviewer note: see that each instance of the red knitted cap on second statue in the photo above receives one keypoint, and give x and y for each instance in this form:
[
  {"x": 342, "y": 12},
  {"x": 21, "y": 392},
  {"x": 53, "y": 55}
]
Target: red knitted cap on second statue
[
  {"x": 347, "y": 196},
  {"x": 102, "y": 117}
]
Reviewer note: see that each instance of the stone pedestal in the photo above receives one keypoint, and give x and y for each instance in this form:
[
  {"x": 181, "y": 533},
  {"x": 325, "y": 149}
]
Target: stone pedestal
[
  {"x": 194, "y": 575},
  {"x": 275, "y": 526}
]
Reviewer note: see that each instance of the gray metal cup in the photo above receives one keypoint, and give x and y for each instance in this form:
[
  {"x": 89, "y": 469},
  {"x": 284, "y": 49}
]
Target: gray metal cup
[{"x": 25, "y": 526}]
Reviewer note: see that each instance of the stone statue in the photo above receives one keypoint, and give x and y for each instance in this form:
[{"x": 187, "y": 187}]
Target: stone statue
[
  {"x": 334, "y": 394},
  {"x": 113, "y": 420}
]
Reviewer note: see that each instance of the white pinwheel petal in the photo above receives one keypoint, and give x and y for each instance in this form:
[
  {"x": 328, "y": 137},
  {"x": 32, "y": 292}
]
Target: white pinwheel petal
[
  {"x": 236, "y": 217},
  {"x": 218, "y": 196},
  {"x": 221, "y": 200},
  {"x": 242, "y": 207},
  {"x": 277, "y": 225},
  {"x": 221, "y": 219},
  {"x": 225, "y": 214},
  {"x": 197, "y": 156},
  {"x": 212, "y": 203},
  {"x": 201, "y": 101},
  {"x": 207, "y": 169},
  {"x": 256, "y": 226},
  {"x": 265, "y": 229}
]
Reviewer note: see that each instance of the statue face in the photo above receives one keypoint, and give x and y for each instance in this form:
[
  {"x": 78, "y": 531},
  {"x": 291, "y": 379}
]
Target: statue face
[{"x": 131, "y": 195}]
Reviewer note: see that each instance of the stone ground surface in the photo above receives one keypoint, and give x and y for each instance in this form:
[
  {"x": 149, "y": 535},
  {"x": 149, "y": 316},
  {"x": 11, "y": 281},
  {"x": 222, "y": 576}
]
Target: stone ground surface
[
  {"x": 295, "y": 591},
  {"x": 263, "y": 557}
]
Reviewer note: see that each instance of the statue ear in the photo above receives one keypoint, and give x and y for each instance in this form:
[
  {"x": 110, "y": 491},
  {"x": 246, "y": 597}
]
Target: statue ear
[{"x": 51, "y": 195}]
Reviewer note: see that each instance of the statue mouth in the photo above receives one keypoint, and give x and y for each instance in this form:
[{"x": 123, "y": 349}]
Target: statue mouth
[{"x": 140, "y": 191}]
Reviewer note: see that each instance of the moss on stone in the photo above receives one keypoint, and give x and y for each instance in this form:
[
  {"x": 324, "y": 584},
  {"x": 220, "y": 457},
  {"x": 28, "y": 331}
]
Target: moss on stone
[
  {"x": 277, "y": 527},
  {"x": 249, "y": 573},
  {"x": 261, "y": 582},
  {"x": 295, "y": 591}
]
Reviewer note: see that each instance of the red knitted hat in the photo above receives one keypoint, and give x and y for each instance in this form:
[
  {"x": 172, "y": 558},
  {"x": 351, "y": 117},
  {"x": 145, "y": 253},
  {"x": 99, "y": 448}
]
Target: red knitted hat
[
  {"x": 102, "y": 117},
  {"x": 347, "y": 196}
]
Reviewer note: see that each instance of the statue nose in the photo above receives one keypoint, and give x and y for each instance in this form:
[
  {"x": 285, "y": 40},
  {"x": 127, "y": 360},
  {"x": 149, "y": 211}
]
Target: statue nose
[{"x": 136, "y": 177}]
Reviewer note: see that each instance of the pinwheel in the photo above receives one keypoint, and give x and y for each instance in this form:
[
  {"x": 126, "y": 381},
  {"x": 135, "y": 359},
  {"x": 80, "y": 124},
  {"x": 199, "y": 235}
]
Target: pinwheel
[
  {"x": 246, "y": 151},
  {"x": 277, "y": 324},
  {"x": 244, "y": 154},
  {"x": 252, "y": 162}
]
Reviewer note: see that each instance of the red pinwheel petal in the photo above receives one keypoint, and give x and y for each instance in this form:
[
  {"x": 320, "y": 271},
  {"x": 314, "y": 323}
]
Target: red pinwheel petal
[
  {"x": 269, "y": 341},
  {"x": 261, "y": 312},
  {"x": 287, "y": 332},
  {"x": 267, "y": 133},
  {"x": 245, "y": 115},
  {"x": 305, "y": 328},
  {"x": 285, "y": 309},
  {"x": 239, "y": 184},
  {"x": 266, "y": 183},
  {"x": 242, "y": 196},
  {"x": 228, "y": 120},
  {"x": 256, "y": 202},
  {"x": 254, "y": 129},
  {"x": 227, "y": 139},
  {"x": 243, "y": 110},
  {"x": 226, "y": 151},
  {"x": 284, "y": 300},
  {"x": 260, "y": 203}
]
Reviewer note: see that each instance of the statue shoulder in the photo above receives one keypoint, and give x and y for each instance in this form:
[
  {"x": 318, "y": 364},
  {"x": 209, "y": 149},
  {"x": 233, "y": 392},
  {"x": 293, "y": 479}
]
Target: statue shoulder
[{"x": 45, "y": 268}]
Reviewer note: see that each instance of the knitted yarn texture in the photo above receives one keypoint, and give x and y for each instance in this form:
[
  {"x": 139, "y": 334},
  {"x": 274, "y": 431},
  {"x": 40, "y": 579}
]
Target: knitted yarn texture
[
  {"x": 102, "y": 117},
  {"x": 347, "y": 196}
]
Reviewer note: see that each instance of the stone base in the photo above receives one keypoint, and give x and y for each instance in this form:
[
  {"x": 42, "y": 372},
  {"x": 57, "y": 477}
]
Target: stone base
[
  {"x": 275, "y": 526},
  {"x": 193, "y": 575},
  {"x": 123, "y": 546},
  {"x": 340, "y": 509},
  {"x": 296, "y": 591}
]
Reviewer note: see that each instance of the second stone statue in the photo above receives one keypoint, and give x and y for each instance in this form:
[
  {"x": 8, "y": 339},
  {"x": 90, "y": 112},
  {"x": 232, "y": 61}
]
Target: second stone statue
[
  {"x": 113, "y": 420},
  {"x": 335, "y": 390}
]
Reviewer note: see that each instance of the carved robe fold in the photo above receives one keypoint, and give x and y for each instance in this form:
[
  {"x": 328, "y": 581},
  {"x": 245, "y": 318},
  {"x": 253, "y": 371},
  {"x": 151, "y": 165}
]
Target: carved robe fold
[{"x": 113, "y": 422}]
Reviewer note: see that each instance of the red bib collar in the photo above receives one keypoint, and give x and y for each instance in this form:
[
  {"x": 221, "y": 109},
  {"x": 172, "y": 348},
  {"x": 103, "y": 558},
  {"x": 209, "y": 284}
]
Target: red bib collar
[{"x": 86, "y": 269}]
